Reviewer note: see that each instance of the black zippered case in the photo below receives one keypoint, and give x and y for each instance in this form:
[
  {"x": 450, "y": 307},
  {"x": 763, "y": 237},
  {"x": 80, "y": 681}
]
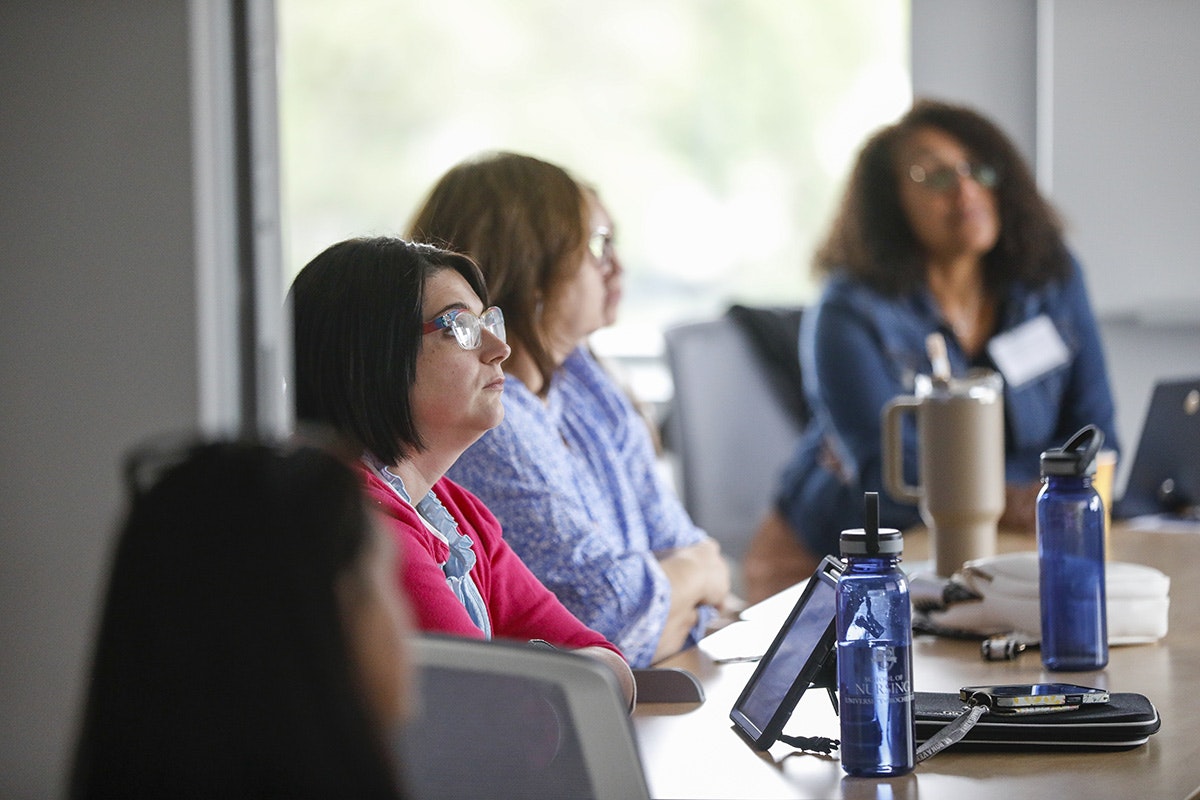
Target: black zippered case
[{"x": 1126, "y": 721}]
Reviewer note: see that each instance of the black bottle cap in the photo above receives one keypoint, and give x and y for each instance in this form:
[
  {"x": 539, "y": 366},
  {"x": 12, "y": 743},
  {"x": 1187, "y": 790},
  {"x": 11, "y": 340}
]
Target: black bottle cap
[{"x": 1076, "y": 457}]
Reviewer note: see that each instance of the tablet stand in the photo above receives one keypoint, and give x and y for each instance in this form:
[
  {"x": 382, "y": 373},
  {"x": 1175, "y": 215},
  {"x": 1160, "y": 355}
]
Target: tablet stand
[{"x": 826, "y": 678}]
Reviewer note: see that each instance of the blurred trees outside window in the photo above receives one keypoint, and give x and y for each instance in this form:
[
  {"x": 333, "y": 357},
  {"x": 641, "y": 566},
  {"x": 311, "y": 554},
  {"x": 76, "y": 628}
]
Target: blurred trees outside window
[{"x": 718, "y": 132}]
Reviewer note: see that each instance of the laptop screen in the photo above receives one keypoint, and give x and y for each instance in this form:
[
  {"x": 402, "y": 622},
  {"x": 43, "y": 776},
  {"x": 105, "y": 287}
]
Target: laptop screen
[{"x": 1165, "y": 475}]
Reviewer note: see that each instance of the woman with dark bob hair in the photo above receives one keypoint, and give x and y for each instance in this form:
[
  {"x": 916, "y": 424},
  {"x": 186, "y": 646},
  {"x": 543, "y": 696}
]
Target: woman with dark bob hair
[
  {"x": 397, "y": 350},
  {"x": 252, "y": 642},
  {"x": 941, "y": 230}
]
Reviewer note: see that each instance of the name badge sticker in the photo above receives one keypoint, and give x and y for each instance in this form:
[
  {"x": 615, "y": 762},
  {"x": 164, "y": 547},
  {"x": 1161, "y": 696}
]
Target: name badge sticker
[{"x": 1028, "y": 351}]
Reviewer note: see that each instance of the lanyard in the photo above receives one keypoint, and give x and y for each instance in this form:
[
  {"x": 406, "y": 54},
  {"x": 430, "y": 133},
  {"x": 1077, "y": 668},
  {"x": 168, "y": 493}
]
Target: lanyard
[{"x": 954, "y": 731}]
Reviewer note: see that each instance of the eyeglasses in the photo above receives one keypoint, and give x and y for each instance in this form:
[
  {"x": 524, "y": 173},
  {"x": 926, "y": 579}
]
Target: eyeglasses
[
  {"x": 600, "y": 245},
  {"x": 941, "y": 179},
  {"x": 468, "y": 328}
]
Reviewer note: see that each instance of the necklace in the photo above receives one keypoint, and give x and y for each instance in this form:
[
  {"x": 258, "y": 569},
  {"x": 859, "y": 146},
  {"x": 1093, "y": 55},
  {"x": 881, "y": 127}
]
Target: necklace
[
  {"x": 964, "y": 305},
  {"x": 972, "y": 324}
]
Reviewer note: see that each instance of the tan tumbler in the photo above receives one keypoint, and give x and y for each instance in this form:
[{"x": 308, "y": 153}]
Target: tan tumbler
[{"x": 960, "y": 443}]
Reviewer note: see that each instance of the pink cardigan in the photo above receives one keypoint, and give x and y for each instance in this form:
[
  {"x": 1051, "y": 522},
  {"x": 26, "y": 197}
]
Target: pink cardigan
[{"x": 519, "y": 606}]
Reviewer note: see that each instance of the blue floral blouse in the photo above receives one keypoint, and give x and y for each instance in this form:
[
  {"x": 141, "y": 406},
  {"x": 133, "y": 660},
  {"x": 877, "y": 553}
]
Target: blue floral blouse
[{"x": 574, "y": 482}]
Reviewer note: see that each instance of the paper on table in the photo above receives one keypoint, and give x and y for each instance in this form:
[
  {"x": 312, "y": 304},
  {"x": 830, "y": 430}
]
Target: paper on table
[
  {"x": 739, "y": 641},
  {"x": 749, "y": 637}
]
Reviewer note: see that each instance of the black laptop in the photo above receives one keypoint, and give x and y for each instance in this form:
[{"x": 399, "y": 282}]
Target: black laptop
[{"x": 1165, "y": 476}]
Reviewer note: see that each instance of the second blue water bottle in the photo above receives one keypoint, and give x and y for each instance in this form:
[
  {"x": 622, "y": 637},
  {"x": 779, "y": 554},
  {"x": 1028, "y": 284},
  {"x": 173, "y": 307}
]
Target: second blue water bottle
[{"x": 1070, "y": 534}]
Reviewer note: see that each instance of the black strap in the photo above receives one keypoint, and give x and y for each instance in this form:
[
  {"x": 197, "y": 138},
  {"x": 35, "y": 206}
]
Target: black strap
[
  {"x": 813, "y": 744},
  {"x": 826, "y": 674}
]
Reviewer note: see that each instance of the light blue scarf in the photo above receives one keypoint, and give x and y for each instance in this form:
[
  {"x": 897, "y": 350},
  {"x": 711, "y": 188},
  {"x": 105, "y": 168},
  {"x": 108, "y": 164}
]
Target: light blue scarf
[{"x": 457, "y": 568}]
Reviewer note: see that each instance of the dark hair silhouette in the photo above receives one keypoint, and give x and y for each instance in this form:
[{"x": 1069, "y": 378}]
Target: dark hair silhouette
[
  {"x": 871, "y": 239},
  {"x": 357, "y": 313},
  {"x": 221, "y": 666}
]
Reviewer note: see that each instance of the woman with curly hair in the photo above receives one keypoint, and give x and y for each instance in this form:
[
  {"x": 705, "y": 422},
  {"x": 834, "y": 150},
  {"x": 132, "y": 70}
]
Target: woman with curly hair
[{"x": 941, "y": 230}]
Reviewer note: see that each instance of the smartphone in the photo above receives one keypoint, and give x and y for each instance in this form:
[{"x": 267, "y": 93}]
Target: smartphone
[{"x": 1027, "y": 697}]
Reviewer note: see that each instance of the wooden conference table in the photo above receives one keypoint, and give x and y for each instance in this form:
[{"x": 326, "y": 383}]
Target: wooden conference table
[{"x": 692, "y": 750}]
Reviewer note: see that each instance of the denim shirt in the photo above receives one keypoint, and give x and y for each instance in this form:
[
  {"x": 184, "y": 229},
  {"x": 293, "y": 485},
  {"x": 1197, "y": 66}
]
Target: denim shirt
[
  {"x": 860, "y": 348},
  {"x": 462, "y": 558}
]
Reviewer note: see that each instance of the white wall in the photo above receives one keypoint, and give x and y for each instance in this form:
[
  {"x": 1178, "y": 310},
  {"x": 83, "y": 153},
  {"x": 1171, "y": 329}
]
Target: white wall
[
  {"x": 1121, "y": 86},
  {"x": 123, "y": 225},
  {"x": 983, "y": 53},
  {"x": 98, "y": 331},
  {"x": 1102, "y": 96}
]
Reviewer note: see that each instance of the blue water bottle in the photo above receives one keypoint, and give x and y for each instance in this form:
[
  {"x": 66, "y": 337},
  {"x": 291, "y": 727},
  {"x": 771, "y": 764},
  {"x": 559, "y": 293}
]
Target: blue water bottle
[
  {"x": 1070, "y": 535},
  {"x": 874, "y": 652}
]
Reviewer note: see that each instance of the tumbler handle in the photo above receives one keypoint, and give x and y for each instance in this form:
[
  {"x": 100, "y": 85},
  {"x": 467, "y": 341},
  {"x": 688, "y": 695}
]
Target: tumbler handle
[{"x": 893, "y": 449}]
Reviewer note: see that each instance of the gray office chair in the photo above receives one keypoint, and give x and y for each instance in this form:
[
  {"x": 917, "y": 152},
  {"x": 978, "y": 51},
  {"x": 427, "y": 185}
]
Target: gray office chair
[
  {"x": 733, "y": 424},
  {"x": 503, "y": 719}
]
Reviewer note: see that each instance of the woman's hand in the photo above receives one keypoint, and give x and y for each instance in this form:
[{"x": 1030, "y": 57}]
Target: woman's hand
[
  {"x": 699, "y": 571},
  {"x": 699, "y": 576}
]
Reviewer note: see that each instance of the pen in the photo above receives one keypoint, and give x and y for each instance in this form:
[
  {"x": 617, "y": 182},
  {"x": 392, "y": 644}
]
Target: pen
[{"x": 736, "y": 659}]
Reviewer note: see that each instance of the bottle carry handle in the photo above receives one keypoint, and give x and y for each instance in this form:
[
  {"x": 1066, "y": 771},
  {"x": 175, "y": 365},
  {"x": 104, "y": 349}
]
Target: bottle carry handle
[{"x": 1087, "y": 442}]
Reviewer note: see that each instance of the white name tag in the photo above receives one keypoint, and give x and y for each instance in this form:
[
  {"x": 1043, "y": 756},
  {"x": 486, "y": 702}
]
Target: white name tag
[{"x": 1028, "y": 351}]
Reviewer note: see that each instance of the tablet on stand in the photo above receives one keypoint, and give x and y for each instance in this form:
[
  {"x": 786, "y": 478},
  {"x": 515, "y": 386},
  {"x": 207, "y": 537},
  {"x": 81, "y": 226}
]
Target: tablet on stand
[{"x": 801, "y": 656}]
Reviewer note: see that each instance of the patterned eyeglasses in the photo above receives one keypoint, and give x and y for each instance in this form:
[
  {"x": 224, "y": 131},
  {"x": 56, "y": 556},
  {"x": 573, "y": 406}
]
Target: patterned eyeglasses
[{"x": 467, "y": 327}]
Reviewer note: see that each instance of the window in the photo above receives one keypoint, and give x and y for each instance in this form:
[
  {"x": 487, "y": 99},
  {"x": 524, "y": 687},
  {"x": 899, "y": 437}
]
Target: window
[{"x": 718, "y": 132}]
